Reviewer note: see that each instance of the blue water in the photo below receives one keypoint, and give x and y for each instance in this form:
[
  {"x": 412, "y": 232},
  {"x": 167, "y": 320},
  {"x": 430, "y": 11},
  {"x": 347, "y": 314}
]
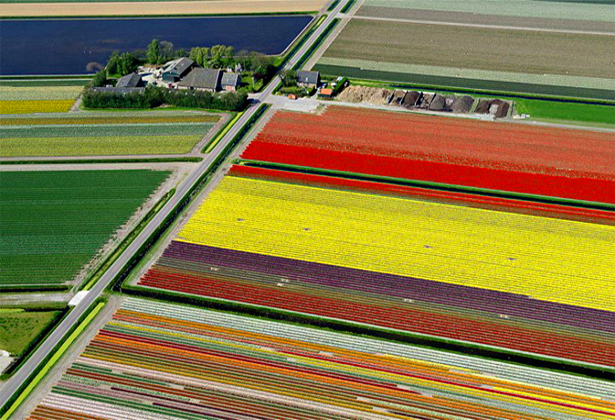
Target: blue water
[{"x": 76, "y": 46}]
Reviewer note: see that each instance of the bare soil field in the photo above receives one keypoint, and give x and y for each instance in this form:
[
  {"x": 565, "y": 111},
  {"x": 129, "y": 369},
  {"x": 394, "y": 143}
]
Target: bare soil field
[
  {"x": 159, "y": 8},
  {"x": 476, "y": 48},
  {"x": 473, "y": 18}
]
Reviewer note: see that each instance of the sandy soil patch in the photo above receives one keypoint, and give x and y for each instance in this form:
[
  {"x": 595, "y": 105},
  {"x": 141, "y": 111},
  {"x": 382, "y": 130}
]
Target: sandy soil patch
[{"x": 159, "y": 8}]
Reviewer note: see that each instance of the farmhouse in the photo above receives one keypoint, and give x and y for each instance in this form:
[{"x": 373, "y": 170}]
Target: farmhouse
[
  {"x": 132, "y": 80},
  {"x": 230, "y": 82},
  {"x": 202, "y": 79},
  {"x": 176, "y": 69},
  {"x": 309, "y": 79}
]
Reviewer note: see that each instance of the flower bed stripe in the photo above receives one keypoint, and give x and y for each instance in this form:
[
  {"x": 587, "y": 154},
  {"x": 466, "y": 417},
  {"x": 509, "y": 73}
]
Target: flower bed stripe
[
  {"x": 574, "y": 164},
  {"x": 157, "y": 361},
  {"x": 447, "y": 197}
]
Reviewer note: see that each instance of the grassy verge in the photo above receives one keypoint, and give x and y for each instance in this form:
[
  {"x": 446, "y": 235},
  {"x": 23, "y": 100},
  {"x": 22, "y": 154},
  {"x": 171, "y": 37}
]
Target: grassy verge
[
  {"x": 35, "y": 288},
  {"x": 333, "y": 5},
  {"x": 98, "y": 160},
  {"x": 43, "y": 369},
  {"x": 435, "y": 185},
  {"x": 282, "y": 60},
  {"x": 316, "y": 45},
  {"x": 127, "y": 240},
  {"x": 213, "y": 142},
  {"x": 348, "y": 6}
]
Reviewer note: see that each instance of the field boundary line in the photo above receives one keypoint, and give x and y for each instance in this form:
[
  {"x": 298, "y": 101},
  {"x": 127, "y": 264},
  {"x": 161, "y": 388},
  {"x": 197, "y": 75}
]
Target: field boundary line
[{"x": 482, "y": 25}]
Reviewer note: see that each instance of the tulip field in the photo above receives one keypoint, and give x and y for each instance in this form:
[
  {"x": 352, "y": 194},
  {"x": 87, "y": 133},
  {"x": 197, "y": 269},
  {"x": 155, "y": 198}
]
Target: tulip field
[
  {"x": 517, "y": 158},
  {"x": 55, "y": 222},
  {"x": 95, "y": 133},
  {"x": 513, "y": 281},
  {"x": 27, "y": 98},
  {"x": 154, "y": 360},
  {"x": 448, "y": 197}
]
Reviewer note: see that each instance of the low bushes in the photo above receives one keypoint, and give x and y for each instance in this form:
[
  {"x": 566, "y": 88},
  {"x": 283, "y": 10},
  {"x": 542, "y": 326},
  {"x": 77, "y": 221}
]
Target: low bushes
[{"x": 152, "y": 97}]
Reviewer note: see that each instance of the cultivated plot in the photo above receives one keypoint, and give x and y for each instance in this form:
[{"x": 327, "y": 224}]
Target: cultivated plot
[
  {"x": 545, "y": 161},
  {"x": 155, "y": 8},
  {"x": 400, "y": 264},
  {"x": 496, "y": 49},
  {"x": 54, "y": 222},
  {"x": 160, "y": 361},
  {"x": 36, "y": 97},
  {"x": 106, "y": 133}
]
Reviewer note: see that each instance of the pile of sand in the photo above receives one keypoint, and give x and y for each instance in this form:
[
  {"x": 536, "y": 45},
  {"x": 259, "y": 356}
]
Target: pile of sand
[{"x": 371, "y": 95}]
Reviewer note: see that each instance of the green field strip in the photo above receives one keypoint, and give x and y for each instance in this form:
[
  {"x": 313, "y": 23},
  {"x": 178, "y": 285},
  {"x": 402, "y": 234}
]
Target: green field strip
[
  {"x": 53, "y": 223},
  {"x": 34, "y": 83},
  {"x": 567, "y": 112},
  {"x": 422, "y": 81},
  {"x": 37, "y": 93},
  {"x": 104, "y": 130},
  {"x": 433, "y": 185},
  {"x": 52, "y": 361},
  {"x": 97, "y": 146},
  {"x": 603, "y": 10},
  {"x": 473, "y": 74}
]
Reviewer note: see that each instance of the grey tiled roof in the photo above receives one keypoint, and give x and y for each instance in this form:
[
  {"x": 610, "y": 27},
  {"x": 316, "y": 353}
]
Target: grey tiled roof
[
  {"x": 129, "y": 81},
  {"x": 230, "y": 79},
  {"x": 308, "y": 77},
  {"x": 202, "y": 79}
]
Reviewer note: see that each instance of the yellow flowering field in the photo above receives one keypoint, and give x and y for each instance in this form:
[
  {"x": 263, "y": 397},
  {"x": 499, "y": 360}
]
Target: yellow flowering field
[
  {"x": 549, "y": 259},
  {"x": 30, "y": 107}
]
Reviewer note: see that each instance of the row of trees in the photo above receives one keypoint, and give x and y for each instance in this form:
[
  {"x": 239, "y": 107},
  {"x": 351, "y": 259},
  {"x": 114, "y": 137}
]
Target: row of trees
[
  {"x": 218, "y": 56},
  {"x": 153, "y": 96}
]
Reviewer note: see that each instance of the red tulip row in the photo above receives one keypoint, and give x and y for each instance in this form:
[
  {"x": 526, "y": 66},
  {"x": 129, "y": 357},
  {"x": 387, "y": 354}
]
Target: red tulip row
[
  {"x": 477, "y": 201},
  {"x": 574, "y": 164},
  {"x": 522, "y": 336}
]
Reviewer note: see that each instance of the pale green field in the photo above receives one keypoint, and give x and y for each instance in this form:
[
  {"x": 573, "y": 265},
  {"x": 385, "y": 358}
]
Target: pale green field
[
  {"x": 97, "y": 146},
  {"x": 580, "y": 10},
  {"x": 38, "y": 93},
  {"x": 543, "y": 79}
]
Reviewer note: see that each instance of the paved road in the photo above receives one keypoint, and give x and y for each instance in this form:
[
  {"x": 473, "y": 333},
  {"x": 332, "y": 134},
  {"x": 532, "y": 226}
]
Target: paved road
[{"x": 60, "y": 332}]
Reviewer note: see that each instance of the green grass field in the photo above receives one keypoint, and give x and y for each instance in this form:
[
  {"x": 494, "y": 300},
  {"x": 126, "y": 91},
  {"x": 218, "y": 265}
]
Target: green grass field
[
  {"x": 19, "y": 329},
  {"x": 54, "y": 222},
  {"x": 567, "y": 112},
  {"x": 92, "y": 134}
]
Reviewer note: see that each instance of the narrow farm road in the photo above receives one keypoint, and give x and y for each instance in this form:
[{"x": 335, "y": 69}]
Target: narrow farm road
[{"x": 58, "y": 335}]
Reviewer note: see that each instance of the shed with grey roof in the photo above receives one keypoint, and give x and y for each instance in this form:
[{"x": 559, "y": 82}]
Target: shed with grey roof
[
  {"x": 308, "y": 78},
  {"x": 131, "y": 80},
  {"x": 202, "y": 79},
  {"x": 230, "y": 81},
  {"x": 176, "y": 69}
]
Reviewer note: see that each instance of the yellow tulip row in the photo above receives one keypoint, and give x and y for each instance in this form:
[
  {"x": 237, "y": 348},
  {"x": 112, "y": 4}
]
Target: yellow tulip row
[{"x": 549, "y": 259}]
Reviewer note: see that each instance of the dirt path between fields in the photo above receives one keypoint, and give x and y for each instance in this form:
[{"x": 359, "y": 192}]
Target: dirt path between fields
[{"x": 159, "y": 8}]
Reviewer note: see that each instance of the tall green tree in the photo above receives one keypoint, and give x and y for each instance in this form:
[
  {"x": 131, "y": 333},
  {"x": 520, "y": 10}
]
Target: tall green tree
[{"x": 154, "y": 52}]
